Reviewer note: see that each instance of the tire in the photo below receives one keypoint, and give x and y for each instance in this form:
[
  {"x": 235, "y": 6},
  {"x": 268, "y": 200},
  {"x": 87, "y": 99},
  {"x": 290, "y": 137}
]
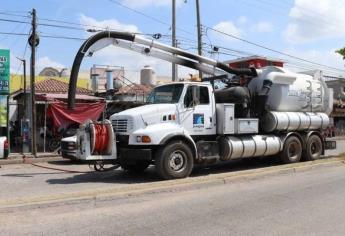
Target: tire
[
  {"x": 313, "y": 149},
  {"x": 292, "y": 151},
  {"x": 174, "y": 161},
  {"x": 53, "y": 144},
  {"x": 137, "y": 168}
]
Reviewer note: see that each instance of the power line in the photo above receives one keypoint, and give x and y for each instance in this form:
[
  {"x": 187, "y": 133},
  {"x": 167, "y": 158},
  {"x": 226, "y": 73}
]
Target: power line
[
  {"x": 147, "y": 16},
  {"x": 272, "y": 50},
  {"x": 12, "y": 31},
  {"x": 14, "y": 21},
  {"x": 182, "y": 40},
  {"x": 232, "y": 52},
  {"x": 75, "y": 28}
]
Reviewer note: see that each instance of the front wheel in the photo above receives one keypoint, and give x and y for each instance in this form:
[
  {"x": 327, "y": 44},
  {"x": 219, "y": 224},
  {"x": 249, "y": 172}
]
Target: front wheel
[
  {"x": 53, "y": 144},
  {"x": 175, "y": 160}
]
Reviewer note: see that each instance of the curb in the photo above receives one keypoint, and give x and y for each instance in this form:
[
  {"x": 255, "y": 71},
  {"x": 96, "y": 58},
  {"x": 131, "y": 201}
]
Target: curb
[
  {"x": 30, "y": 160},
  {"x": 167, "y": 186}
]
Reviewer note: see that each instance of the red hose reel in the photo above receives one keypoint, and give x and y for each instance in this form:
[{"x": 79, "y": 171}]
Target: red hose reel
[{"x": 101, "y": 137}]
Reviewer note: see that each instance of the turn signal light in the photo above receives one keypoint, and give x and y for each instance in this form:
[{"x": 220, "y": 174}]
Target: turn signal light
[{"x": 145, "y": 139}]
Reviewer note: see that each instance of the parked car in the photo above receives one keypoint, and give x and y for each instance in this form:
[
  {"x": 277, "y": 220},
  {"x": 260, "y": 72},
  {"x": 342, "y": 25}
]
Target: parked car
[{"x": 3, "y": 147}]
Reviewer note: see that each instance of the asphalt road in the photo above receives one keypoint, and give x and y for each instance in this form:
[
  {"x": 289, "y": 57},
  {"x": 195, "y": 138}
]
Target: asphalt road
[
  {"x": 302, "y": 203},
  {"x": 30, "y": 181}
]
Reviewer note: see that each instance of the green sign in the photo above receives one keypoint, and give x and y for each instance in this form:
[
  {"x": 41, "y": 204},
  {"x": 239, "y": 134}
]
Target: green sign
[{"x": 4, "y": 71}]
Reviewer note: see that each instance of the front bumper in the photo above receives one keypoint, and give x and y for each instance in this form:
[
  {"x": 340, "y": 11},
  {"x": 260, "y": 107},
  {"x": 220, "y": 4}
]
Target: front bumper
[
  {"x": 135, "y": 154},
  {"x": 69, "y": 155}
]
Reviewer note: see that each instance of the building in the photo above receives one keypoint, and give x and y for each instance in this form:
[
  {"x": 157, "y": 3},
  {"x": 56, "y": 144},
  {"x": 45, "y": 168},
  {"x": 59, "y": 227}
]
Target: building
[
  {"x": 133, "y": 92},
  {"x": 338, "y": 112},
  {"x": 98, "y": 73},
  {"x": 53, "y": 72},
  {"x": 254, "y": 61},
  {"x": 47, "y": 92}
]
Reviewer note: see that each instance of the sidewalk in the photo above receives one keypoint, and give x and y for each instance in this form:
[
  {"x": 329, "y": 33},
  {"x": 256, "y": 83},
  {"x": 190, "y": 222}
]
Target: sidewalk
[{"x": 20, "y": 158}]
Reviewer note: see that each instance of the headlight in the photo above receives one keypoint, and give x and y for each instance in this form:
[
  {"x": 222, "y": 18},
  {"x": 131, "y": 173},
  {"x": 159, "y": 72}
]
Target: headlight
[
  {"x": 143, "y": 139},
  {"x": 71, "y": 145}
]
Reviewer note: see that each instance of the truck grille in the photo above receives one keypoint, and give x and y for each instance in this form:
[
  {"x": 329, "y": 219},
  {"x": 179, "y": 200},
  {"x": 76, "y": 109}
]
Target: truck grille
[
  {"x": 120, "y": 125},
  {"x": 64, "y": 145}
]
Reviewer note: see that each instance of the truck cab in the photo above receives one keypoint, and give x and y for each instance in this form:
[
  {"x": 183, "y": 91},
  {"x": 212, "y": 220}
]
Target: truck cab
[{"x": 178, "y": 114}]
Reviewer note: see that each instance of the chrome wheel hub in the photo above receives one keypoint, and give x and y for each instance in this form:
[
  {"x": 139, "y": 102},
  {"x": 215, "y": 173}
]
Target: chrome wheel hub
[
  {"x": 292, "y": 151},
  {"x": 177, "y": 161}
]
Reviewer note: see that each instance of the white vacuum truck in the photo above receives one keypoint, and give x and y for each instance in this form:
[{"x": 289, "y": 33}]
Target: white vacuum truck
[{"x": 263, "y": 112}]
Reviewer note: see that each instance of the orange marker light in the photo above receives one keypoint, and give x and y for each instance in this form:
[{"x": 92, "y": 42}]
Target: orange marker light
[{"x": 145, "y": 139}]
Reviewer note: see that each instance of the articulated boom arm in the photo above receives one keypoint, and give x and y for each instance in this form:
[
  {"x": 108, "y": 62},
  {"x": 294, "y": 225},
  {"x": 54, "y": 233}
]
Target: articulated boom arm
[{"x": 147, "y": 47}]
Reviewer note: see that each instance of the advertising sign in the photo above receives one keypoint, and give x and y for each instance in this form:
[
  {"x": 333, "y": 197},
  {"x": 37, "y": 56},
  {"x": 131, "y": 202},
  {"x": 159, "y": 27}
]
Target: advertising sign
[{"x": 4, "y": 71}]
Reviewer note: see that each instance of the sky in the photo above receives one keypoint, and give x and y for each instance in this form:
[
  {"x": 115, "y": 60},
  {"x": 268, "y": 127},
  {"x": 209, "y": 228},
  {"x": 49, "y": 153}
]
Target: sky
[{"x": 304, "y": 33}]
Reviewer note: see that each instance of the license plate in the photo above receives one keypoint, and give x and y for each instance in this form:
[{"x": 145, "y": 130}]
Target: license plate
[{"x": 330, "y": 145}]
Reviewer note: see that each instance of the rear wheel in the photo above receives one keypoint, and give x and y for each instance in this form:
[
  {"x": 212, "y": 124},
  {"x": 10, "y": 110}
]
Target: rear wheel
[
  {"x": 292, "y": 151},
  {"x": 313, "y": 149},
  {"x": 175, "y": 160}
]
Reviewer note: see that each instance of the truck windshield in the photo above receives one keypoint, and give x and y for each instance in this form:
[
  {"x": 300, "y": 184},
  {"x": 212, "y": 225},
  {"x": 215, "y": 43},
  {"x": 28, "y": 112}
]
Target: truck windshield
[{"x": 166, "y": 94}]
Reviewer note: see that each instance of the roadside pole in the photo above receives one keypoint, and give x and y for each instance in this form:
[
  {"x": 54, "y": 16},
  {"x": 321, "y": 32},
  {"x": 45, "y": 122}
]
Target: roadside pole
[
  {"x": 24, "y": 68},
  {"x": 33, "y": 41},
  {"x": 199, "y": 32},
  {"x": 173, "y": 39},
  {"x": 25, "y": 146}
]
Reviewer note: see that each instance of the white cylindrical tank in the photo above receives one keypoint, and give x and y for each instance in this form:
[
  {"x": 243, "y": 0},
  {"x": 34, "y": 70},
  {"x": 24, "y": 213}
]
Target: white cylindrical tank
[
  {"x": 293, "y": 121},
  {"x": 94, "y": 82},
  {"x": 233, "y": 147},
  {"x": 291, "y": 92},
  {"x": 117, "y": 83},
  {"x": 110, "y": 80},
  {"x": 147, "y": 76}
]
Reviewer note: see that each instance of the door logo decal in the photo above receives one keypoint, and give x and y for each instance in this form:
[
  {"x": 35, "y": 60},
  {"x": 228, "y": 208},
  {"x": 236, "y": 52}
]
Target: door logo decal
[{"x": 198, "y": 120}]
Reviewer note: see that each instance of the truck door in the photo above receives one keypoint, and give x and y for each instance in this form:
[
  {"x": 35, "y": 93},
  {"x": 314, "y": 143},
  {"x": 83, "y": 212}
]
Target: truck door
[{"x": 198, "y": 113}]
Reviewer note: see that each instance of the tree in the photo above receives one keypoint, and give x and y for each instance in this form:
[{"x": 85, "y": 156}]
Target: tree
[{"x": 341, "y": 52}]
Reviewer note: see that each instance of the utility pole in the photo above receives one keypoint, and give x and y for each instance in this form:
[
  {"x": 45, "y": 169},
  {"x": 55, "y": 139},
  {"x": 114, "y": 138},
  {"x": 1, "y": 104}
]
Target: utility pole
[
  {"x": 24, "y": 68},
  {"x": 174, "y": 44},
  {"x": 199, "y": 31},
  {"x": 24, "y": 124},
  {"x": 24, "y": 78},
  {"x": 33, "y": 41}
]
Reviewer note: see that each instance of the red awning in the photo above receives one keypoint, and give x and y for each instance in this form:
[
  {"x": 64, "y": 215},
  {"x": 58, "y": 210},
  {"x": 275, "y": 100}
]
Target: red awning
[{"x": 63, "y": 117}]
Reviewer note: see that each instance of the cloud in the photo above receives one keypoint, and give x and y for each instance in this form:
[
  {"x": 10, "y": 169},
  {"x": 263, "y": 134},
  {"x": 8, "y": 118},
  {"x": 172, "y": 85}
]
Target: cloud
[
  {"x": 130, "y": 60},
  {"x": 263, "y": 27},
  {"x": 227, "y": 27},
  {"x": 242, "y": 20},
  {"x": 104, "y": 24},
  {"x": 324, "y": 57},
  {"x": 45, "y": 61},
  {"x": 314, "y": 20},
  {"x": 149, "y": 3}
]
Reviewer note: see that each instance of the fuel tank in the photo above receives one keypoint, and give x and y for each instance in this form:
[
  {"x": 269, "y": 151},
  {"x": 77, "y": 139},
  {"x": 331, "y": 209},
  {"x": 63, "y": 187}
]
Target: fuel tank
[{"x": 294, "y": 92}]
